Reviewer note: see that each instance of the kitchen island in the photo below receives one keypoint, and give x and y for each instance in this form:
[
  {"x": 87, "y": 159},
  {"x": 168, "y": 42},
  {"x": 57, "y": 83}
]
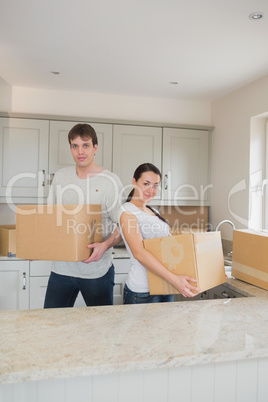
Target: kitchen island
[{"x": 207, "y": 350}]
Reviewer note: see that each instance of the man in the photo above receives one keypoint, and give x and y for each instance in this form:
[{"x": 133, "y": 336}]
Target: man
[{"x": 86, "y": 183}]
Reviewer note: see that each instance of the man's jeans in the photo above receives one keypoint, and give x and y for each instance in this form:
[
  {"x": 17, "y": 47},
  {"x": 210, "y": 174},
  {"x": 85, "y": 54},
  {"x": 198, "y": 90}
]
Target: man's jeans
[{"x": 62, "y": 290}]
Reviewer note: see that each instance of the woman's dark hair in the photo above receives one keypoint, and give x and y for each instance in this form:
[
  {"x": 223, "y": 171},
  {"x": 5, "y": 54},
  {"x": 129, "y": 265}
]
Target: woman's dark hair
[
  {"x": 84, "y": 131},
  {"x": 146, "y": 167}
]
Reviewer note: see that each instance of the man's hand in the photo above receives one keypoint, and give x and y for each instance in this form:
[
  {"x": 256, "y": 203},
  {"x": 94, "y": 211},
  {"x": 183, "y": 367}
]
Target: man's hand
[
  {"x": 100, "y": 248},
  {"x": 98, "y": 251}
]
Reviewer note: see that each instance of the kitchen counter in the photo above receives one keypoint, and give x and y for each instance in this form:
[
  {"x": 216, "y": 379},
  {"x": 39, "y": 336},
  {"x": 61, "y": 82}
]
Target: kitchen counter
[{"x": 64, "y": 343}]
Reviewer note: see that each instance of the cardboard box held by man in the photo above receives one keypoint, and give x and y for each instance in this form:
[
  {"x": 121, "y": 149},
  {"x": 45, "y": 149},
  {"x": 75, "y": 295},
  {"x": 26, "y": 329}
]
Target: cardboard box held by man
[{"x": 57, "y": 232}]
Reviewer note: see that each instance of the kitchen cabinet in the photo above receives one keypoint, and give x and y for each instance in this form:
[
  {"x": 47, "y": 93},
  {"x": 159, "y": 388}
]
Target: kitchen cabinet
[
  {"x": 59, "y": 148},
  {"x": 14, "y": 285},
  {"x": 32, "y": 150},
  {"x": 132, "y": 146},
  {"x": 24, "y": 156},
  {"x": 185, "y": 166},
  {"x": 121, "y": 267},
  {"x": 39, "y": 275}
]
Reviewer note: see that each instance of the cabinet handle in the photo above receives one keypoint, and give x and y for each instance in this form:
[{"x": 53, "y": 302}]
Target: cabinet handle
[
  {"x": 166, "y": 182},
  {"x": 24, "y": 281},
  {"x": 42, "y": 177}
]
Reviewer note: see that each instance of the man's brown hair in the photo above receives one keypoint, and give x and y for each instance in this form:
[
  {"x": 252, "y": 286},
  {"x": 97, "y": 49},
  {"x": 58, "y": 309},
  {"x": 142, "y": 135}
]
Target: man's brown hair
[{"x": 84, "y": 131}]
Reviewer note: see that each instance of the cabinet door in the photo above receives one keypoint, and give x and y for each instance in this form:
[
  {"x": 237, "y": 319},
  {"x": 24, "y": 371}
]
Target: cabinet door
[
  {"x": 59, "y": 149},
  {"x": 121, "y": 268},
  {"x": 38, "y": 287},
  {"x": 14, "y": 285},
  {"x": 185, "y": 165},
  {"x": 132, "y": 146},
  {"x": 24, "y": 157},
  {"x": 39, "y": 275}
]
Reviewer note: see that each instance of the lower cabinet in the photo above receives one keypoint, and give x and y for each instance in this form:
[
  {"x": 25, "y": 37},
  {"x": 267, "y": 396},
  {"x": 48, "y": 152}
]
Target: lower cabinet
[
  {"x": 121, "y": 266},
  {"x": 23, "y": 283},
  {"x": 14, "y": 285}
]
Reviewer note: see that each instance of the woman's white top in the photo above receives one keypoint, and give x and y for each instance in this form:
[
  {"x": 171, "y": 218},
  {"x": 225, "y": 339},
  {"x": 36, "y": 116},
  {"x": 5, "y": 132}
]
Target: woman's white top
[{"x": 150, "y": 227}]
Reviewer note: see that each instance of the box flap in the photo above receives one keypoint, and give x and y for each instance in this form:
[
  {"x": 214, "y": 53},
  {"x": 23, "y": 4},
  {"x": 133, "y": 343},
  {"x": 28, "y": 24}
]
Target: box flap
[{"x": 209, "y": 259}]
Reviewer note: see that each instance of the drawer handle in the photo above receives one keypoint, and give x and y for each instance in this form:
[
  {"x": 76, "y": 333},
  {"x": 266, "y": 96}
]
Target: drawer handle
[
  {"x": 166, "y": 182},
  {"x": 24, "y": 281}
]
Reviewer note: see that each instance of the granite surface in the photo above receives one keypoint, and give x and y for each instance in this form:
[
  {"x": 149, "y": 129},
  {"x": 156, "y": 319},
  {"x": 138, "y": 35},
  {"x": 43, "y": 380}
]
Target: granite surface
[{"x": 64, "y": 343}]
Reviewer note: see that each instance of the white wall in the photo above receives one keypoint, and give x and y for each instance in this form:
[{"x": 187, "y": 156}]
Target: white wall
[
  {"x": 231, "y": 116},
  {"x": 84, "y": 104}
]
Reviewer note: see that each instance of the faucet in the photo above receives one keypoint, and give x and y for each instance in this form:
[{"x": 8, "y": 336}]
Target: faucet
[
  {"x": 230, "y": 254},
  {"x": 225, "y": 221}
]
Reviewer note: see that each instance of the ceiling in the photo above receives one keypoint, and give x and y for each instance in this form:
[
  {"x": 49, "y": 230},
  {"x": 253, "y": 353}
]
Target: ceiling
[{"x": 134, "y": 47}]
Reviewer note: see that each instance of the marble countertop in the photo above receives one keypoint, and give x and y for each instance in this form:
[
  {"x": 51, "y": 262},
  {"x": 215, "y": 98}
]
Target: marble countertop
[{"x": 65, "y": 343}]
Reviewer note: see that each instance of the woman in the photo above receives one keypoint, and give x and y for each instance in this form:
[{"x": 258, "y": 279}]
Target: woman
[{"x": 139, "y": 221}]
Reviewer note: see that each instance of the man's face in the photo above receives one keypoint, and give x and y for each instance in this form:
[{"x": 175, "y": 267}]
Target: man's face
[{"x": 83, "y": 151}]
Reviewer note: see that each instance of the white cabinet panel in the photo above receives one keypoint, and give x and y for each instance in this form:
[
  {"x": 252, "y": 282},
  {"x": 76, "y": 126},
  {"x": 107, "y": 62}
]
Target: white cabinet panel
[
  {"x": 24, "y": 156},
  {"x": 14, "y": 285},
  {"x": 185, "y": 165},
  {"x": 38, "y": 287},
  {"x": 119, "y": 283},
  {"x": 197, "y": 383},
  {"x": 39, "y": 275},
  {"x": 132, "y": 146},
  {"x": 59, "y": 149},
  {"x": 121, "y": 268}
]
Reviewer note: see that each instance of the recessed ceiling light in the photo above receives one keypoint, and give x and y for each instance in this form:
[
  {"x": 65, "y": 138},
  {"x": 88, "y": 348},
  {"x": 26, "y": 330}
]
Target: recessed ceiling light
[
  {"x": 173, "y": 82},
  {"x": 256, "y": 16}
]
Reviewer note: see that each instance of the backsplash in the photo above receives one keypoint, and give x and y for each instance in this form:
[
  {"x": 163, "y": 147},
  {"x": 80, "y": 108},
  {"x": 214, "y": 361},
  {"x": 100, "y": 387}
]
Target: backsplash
[
  {"x": 186, "y": 217},
  {"x": 7, "y": 217},
  {"x": 227, "y": 246}
]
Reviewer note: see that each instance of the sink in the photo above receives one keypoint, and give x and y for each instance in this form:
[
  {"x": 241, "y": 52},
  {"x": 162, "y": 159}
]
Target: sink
[{"x": 227, "y": 261}]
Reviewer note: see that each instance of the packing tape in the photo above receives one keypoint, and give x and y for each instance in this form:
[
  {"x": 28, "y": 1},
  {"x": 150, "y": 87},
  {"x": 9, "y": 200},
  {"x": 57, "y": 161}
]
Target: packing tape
[
  {"x": 245, "y": 269},
  {"x": 208, "y": 245}
]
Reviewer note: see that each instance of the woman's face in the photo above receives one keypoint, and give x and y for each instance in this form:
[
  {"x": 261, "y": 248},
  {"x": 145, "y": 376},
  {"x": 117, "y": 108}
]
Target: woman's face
[{"x": 146, "y": 187}]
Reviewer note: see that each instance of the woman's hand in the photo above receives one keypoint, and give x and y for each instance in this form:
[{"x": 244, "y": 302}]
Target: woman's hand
[{"x": 181, "y": 283}]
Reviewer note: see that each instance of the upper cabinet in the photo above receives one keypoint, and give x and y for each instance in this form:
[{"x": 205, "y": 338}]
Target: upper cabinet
[
  {"x": 24, "y": 158},
  {"x": 185, "y": 166},
  {"x": 132, "y": 146},
  {"x": 59, "y": 149},
  {"x": 32, "y": 150}
]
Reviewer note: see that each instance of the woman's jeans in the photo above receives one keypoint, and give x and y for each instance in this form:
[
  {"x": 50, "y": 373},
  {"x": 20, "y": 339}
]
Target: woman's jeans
[
  {"x": 136, "y": 298},
  {"x": 62, "y": 290}
]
